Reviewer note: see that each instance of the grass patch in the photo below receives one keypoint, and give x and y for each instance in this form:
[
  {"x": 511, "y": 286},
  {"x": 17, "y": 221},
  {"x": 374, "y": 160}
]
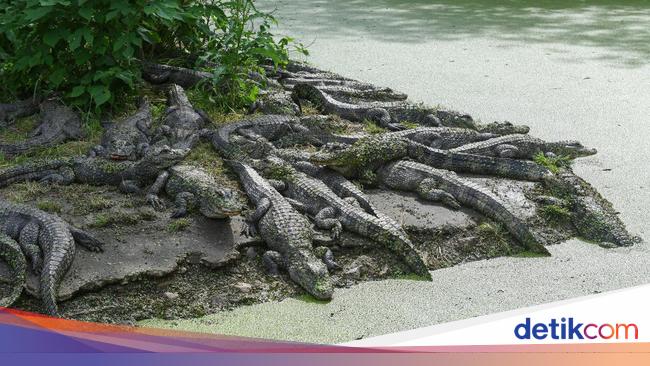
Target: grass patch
[
  {"x": 554, "y": 164},
  {"x": 20, "y": 130},
  {"x": 310, "y": 299},
  {"x": 555, "y": 213},
  {"x": 179, "y": 225},
  {"x": 496, "y": 236},
  {"x": 208, "y": 104},
  {"x": 27, "y": 191},
  {"x": 409, "y": 125},
  {"x": 372, "y": 128},
  {"x": 49, "y": 206}
]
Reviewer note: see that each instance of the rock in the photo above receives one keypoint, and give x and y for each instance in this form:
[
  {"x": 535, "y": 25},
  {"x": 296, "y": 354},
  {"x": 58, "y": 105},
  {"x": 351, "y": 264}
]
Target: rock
[
  {"x": 244, "y": 287},
  {"x": 171, "y": 295}
]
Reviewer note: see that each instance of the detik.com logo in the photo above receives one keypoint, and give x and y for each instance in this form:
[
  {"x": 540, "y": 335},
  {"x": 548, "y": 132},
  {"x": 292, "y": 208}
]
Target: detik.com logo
[{"x": 568, "y": 328}]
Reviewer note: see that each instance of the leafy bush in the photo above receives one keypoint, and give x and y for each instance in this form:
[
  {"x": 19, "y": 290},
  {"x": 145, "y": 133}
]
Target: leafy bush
[{"x": 91, "y": 51}]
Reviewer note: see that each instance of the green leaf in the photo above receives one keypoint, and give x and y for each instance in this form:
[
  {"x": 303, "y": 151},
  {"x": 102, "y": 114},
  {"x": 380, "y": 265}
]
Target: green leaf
[
  {"x": 86, "y": 12},
  {"x": 77, "y": 91},
  {"x": 37, "y": 13},
  {"x": 100, "y": 94},
  {"x": 57, "y": 77},
  {"x": 51, "y": 38}
]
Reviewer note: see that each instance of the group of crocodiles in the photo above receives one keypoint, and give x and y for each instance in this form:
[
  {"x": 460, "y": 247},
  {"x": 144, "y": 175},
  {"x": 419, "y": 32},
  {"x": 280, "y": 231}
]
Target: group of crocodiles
[{"x": 297, "y": 193}]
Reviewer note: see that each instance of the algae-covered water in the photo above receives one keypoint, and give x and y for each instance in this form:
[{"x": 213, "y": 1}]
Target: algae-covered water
[{"x": 569, "y": 69}]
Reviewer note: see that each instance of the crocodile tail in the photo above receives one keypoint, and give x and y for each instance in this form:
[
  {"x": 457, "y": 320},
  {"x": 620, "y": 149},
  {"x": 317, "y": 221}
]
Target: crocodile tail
[
  {"x": 11, "y": 253},
  {"x": 30, "y": 171}
]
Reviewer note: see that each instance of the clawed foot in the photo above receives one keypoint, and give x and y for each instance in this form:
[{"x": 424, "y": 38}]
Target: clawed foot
[
  {"x": 155, "y": 202},
  {"x": 249, "y": 230}
]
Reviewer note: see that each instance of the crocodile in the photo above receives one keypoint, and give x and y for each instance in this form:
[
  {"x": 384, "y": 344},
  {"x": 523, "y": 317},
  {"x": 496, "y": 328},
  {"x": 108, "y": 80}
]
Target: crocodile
[
  {"x": 166, "y": 74},
  {"x": 387, "y": 114},
  {"x": 447, "y": 187},
  {"x": 58, "y": 123},
  {"x": 286, "y": 232},
  {"x": 524, "y": 147},
  {"x": 502, "y": 128},
  {"x": 592, "y": 215},
  {"x": 127, "y": 139},
  {"x": 274, "y": 102},
  {"x": 183, "y": 124},
  {"x": 267, "y": 127},
  {"x": 368, "y": 154},
  {"x": 193, "y": 186},
  {"x": 331, "y": 212},
  {"x": 13, "y": 256},
  {"x": 9, "y": 112},
  {"x": 436, "y": 137},
  {"x": 48, "y": 241},
  {"x": 128, "y": 175}
]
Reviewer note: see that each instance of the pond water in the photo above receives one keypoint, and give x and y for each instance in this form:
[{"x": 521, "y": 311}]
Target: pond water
[{"x": 570, "y": 70}]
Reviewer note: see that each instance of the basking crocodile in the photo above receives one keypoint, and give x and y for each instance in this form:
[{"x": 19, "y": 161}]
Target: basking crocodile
[
  {"x": 166, "y": 74},
  {"x": 502, "y": 128},
  {"x": 331, "y": 212},
  {"x": 267, "y": 127},
  {"x": 368, "y": 154},
  {"x": 39, "y": 232},
  {"x": 435, "y": 137},
  {"x": 274, "y": 102},
  {"x": 592, "y": 215},
  {"x": 193, "y": 186},
  {"x": 9, "y": 112},
  {"x": 127, "y": 139},
  {"x": 524, "y": 147},
  {"x": 285, "y": 231},
  {"x": 13, "y": 256},
  {"x": 129, "y": 176},
  {"x": 447, "y": 187},
  {"x": 58, "y": 124},
  {"x": 183, "y": 124}
]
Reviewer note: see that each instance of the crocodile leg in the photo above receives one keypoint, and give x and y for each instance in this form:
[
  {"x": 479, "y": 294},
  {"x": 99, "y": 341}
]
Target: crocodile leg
[
  {"x": 507, "y": 151},
  {"x": 183, "y": 201},
  {"x": 327, "y": 219},
  {"x": 28, "y": 241},
  {"x": 12, "y": 254},
  {"x": 272, "y": 262},
  {"x": 326, "y": 255},
  {"x": 154, "y": 191},
  {"x": 63, "y": 176},
  {"x": 383, "y": 118},
  {"x": 263, "y": 206},
  {"x": 85, "y": 239},
  {"x": 428, "y": 190}
]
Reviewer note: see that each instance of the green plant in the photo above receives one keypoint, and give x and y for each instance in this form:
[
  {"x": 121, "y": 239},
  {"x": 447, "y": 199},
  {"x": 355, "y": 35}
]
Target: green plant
[
  {"x": 372, "y": 128},
  {"x": 49, "y": 206},
  {"x": 240, "y": 43},
  {"x": 555, "y": 213},
  {"x": 552, "y": 163},
  {"x": 179, "y": 225},
  {"x": 90, "y": 52}
]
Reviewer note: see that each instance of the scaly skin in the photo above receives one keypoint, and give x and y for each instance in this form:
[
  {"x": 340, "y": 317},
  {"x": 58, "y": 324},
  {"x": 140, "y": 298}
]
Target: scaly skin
[
  {"x": 127, "y": 139},
  {"x": 182, "y": 125},
  {"x": 370, "y": 153},
  {"x": 436, "y": 137},
  {"x": 524, "y": 147},
  {"x": 286, "y": 231},
  {"x": 502, "y": 128},
  {"x": 193, "y": 186},
  {"x": 58, "y": 124},
  {"x": 9, "y": 112},
  {"x": 13, "y": 256},
  {"x": 386, "y": 114},
  {"x": 268, "y": 127},
  {"x": 275, "y": 102},
  {"x": 130, "y": 176},
  {"x": 39, "y": 232},
  {"x": 449, "y": 188},
  {"x": 592, "y": 215},
  {"x": 332, "y": 212},
  {"x": 165, "y": 74}
]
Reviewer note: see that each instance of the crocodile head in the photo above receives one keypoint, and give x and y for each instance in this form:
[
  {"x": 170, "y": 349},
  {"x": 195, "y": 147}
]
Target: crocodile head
[
  {"x": 572, "y": 149},
  {"x": 162, "y": 156},
  {"x": 224, "y": 203},
  {"x": 310, "y": 273},
  {"x": 119, "y": 148},
  {"x": 366, "y": 153}
]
